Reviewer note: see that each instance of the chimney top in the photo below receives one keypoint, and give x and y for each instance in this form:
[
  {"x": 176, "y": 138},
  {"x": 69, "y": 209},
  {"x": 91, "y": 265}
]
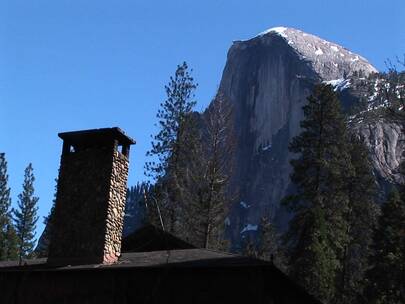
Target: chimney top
[{"x": 96, "y": 137}]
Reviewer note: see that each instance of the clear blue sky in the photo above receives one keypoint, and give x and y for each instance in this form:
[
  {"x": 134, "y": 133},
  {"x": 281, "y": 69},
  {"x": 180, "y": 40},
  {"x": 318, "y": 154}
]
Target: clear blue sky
[{"x": 69, "y": 65}]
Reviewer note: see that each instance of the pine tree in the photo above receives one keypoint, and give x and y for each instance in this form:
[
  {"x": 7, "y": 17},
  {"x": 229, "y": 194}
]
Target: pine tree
[
  {"x": 317, "y": 232},
  {"x": 209, "y": 175},
  {"x": 173, "y": 146},
  {"x": 361, "y": 216},
  {"x": 387, "y": 273},
  {"x": 6, "y": 229},
  {"x": 25, "y": 217}
]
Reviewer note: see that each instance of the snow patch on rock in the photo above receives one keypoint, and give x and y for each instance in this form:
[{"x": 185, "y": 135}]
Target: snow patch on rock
[
  {"x": 265, "y": 148},
  {"x": 244, "y": 205},
  {"x": 318, "y": 52},
  {"x": 249, "y": 227},
  {"x": 278, "y": 30},
  {"x": 339, "y": 84}
]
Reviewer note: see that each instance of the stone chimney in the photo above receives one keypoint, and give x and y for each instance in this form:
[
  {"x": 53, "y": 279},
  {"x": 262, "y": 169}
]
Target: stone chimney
[{"x": 90, "y": 200}]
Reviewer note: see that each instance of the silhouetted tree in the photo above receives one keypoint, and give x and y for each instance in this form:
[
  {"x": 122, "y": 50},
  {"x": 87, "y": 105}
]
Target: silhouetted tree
[
  {"x": 317, "y": 231},
  {"x": 25, "y": 217}
]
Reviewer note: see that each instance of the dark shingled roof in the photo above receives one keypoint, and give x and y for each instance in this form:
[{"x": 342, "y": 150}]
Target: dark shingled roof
[
  {"x": 184, "y": 258},
  {"x": 172, "y": 276}
]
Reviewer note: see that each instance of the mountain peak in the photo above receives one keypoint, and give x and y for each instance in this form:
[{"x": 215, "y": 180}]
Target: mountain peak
[{"x": 329, "y": 60}]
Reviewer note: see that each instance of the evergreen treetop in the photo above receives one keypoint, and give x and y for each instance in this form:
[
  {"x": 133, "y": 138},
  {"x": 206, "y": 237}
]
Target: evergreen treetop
[
  {"x": 25, "y": 216},
  {"x": 173, "y": 148},
  {"x": 173, "y": 119}
]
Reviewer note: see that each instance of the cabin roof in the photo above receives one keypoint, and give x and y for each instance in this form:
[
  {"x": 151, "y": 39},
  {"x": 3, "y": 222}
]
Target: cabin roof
[
  {"x": 179, "y": 258},
  {"x": 195, "y": 264},
  {"x": 150, "y": 238}
]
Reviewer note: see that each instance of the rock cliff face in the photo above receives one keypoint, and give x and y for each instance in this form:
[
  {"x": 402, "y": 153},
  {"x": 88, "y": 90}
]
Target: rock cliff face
[
  {"x": 386, "y": 142},
  {"x": 267, "y": 79}
]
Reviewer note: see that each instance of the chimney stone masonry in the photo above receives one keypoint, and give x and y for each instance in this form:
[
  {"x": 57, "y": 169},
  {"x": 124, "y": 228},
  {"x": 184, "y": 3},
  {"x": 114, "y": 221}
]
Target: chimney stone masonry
[{"x": 91, "y": 195}]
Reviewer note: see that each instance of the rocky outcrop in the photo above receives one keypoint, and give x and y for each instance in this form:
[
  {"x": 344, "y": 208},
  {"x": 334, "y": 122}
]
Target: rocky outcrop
[
  {"x": 386, "y": 142},
  {"x": 267, "y": 79}
]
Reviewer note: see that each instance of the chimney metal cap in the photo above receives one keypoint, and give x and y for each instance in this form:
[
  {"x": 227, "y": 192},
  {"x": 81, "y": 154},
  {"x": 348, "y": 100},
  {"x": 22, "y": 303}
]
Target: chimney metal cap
[{"x": 97, "y": 137}]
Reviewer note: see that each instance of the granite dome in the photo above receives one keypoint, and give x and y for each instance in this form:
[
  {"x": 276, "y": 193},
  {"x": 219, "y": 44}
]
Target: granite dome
[{"x": 328, "y": 59}]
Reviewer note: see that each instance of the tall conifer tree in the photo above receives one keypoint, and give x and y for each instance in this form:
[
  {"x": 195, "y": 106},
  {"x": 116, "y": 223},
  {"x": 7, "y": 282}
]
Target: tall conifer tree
[
  {"x": 208, "y": 178},
  {"x": 25, "y": 217},
  {"x": 317, "y": 232},
  {"x": 173, "y": 146}
]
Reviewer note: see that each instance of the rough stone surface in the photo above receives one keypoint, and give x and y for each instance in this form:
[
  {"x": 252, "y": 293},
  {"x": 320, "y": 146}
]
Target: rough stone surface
[
  {"x": 89, "y": 207},
  {"x": 116, "y": 207}
]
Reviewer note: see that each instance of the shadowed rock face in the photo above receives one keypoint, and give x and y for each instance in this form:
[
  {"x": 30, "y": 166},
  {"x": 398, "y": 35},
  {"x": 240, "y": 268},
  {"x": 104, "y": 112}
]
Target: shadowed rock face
[{"x": 267, "y": 79}]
